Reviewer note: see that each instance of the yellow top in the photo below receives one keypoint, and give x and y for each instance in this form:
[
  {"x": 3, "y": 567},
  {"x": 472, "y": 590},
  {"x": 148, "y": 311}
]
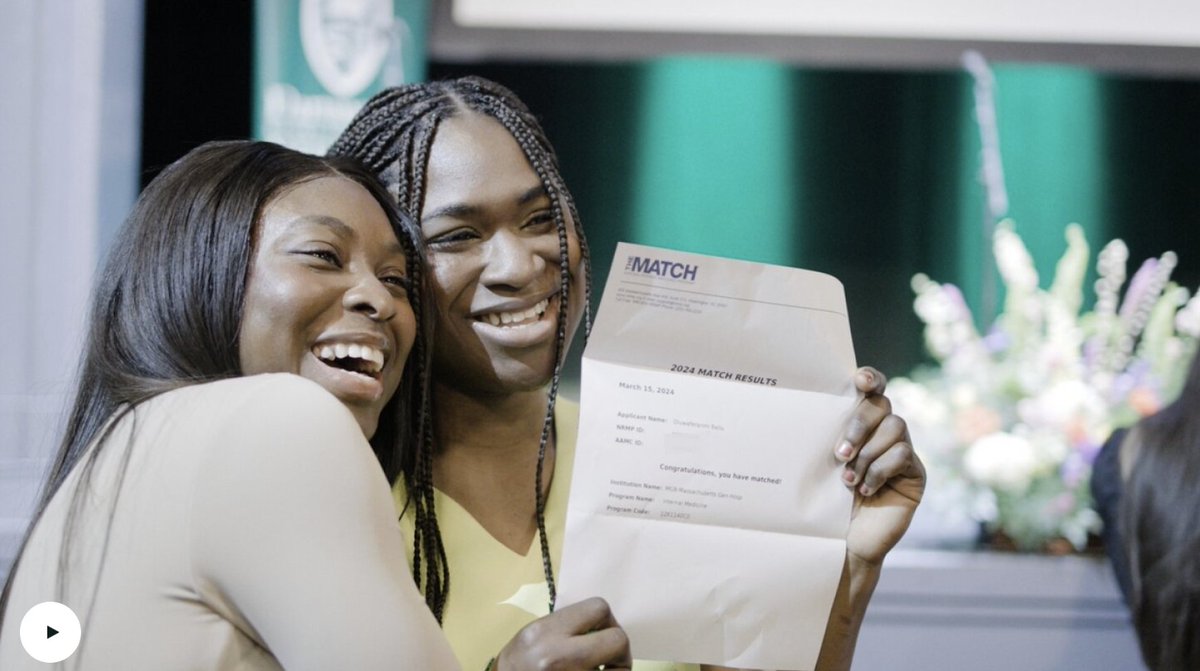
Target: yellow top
[{"x": 494, "y": 592}]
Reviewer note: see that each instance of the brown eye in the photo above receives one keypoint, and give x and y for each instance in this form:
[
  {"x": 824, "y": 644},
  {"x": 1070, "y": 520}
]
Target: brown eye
[
  {"x": 540, "y": 222},
  {"x": 325, "y": 255},
  {"x": 401, "y": 282},
  {"x": 450, "y": 238}
]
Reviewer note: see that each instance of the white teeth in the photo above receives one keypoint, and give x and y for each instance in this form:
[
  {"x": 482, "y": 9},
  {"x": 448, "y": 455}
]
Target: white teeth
[
  {"x": 367, "y": 353},
  {"x": 498, "y": 318}
]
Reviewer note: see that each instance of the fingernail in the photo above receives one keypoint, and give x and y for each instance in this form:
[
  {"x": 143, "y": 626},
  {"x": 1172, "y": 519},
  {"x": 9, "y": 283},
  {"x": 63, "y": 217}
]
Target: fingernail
[
  {"x": 864, "y": 490},
  {"x": 868, "y": 377},
  {"x": 845, "y": 449},
  {"x": 849, "y": 477}
]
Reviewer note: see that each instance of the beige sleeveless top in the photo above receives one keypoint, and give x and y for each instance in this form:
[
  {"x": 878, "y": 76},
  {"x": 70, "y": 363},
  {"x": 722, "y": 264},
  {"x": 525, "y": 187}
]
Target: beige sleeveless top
[{"x": 254, "y": 529}]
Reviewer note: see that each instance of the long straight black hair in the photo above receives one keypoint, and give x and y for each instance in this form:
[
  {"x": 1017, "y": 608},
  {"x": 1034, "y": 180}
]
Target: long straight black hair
[
  {"x": 392, "y": 134},
  {"x": 167, "y": 306},
  {"x": 1159, "y": 511}
]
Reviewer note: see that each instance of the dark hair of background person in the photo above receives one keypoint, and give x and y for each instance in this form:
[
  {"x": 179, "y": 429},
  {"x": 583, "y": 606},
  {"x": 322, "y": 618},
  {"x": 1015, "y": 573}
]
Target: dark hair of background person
[
  {"x": 392, "y": 135},
  {"x": 1162, "y": 535},
  {"x": 167, "y": 307}
]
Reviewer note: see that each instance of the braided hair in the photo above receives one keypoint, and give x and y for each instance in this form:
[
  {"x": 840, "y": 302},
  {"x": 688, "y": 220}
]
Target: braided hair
[{"x": 392, "y": 135}]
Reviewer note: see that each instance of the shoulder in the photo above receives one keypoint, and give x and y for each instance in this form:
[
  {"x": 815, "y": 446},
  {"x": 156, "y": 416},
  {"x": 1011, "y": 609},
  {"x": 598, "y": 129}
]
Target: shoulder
[
  {"x": 261, "y": 412},
  {"x": 278, "y": 421},
  {"x": 1106, "y": 479},
  {"x": 1130, "y": 450},
  {"x": 259, "y": 392},
  {"x": 263, "y": 401},
  {"x": 281, "y": 446}
]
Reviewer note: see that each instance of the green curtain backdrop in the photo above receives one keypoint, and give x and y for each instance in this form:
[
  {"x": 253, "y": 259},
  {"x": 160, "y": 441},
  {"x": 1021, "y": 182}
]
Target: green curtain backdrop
[
  {"x": 713, "y": 173},
  {"x": 869, "y": 176}
]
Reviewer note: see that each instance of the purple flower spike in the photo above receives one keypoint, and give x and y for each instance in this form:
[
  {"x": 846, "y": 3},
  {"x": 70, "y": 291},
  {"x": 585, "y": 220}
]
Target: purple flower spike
[
  {"x": 955, "y": 295},
  {"x": 1091, "y": 352},
  {"x": 1073, "y": 470},
  {"x": 997, "y": 340},
  {"x": 1088, "y": 450},
  {"x": 1138, "y": 286}
]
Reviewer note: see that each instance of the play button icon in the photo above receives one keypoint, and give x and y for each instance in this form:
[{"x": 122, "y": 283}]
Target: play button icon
[{"x": 50, "y": 632}]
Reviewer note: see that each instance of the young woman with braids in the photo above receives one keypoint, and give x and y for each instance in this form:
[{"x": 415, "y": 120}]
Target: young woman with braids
[
  {"x": 221, "y": 497},
  {"x": 1146, "y": 487},
  {"x": 508, "y": 268}
]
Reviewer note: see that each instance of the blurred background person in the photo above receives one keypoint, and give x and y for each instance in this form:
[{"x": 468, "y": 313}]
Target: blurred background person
[{"x": 1147, "y": 487}]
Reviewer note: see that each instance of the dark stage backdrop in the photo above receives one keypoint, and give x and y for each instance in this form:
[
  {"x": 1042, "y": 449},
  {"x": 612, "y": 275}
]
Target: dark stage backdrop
[
  {"x": 871, "y": 176},
  {"x": 195, "y": 78}
]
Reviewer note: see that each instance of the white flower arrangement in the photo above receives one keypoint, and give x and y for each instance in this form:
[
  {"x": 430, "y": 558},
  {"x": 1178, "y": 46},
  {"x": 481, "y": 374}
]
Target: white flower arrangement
[{"x": 1009, "y": 422}]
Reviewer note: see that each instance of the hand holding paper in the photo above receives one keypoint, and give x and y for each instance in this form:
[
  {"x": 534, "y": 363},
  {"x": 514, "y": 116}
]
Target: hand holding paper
[
  {"x": 583, "y": 635},
  {"x": 885, "y": 471},
  {"x": 889, "y": 481},
  {"x": 714, "y": 392}
]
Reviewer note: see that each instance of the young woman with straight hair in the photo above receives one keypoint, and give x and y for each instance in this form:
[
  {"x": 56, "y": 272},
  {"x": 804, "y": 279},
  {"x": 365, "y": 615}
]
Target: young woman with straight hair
[{"x": 221, "y": 496}]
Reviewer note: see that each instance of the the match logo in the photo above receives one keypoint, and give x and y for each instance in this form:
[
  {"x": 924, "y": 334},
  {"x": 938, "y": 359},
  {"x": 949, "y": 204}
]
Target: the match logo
[{"x": 661, "y": 268}]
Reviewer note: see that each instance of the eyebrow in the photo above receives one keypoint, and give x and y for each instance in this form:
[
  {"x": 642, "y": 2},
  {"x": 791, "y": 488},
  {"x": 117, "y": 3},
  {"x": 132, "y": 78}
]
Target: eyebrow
[
  {"x": 465, "y": 210},
  {"x": 340, "y": 227},
  {"x": 344, "y": 230},
  {"x": 531, "y": 195}
]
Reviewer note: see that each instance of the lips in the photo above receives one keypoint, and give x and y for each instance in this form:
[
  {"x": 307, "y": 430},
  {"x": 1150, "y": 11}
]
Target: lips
[
  {"x": 518, "y": 326},
  {"x": 349, "y": 368},
  {"x": 362, "y": 359},
  {"x": 515, "y": 317}
]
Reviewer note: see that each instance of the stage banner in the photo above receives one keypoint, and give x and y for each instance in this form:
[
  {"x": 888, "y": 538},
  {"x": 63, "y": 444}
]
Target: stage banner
[{"x": 317, "y": 61}]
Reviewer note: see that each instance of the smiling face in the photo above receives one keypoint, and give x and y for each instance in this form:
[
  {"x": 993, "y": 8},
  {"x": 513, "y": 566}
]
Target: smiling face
[
  {"x": 327, "y": 296},
  {"x": 494, "y": 259}
]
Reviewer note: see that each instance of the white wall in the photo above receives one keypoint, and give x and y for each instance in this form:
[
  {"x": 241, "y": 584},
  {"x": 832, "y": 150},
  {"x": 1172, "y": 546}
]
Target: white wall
[
  {"x": 1118, "y": 22},
  {"x": 70, "y": 82}
]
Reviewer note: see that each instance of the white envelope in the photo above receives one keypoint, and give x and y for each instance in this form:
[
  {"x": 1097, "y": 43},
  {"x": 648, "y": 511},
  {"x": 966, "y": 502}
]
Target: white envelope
[{"x": 706, "y": 503}]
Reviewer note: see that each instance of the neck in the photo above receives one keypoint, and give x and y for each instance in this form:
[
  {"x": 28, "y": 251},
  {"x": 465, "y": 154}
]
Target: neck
[
  {"x": 491, "y": 427},
  {"x": 486, "y": 458}
]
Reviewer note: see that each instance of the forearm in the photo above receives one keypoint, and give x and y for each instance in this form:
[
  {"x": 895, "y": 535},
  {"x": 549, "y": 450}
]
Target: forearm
[{"x": 845, "y": 618}]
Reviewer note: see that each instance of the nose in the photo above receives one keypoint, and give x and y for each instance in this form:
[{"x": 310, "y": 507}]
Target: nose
[
  {"x": 368, "y": 296},
  {"x": 512, "y": 261}
]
